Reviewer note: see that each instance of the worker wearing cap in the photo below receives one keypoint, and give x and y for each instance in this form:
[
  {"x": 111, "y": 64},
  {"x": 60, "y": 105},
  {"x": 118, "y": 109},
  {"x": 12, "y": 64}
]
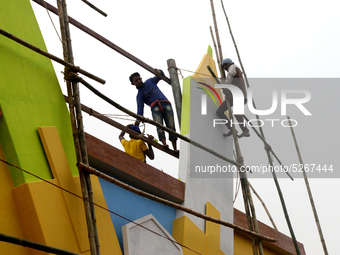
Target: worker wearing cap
[
  {"x": 136, "y": 147},
  {"x": 234, "y": 77}
]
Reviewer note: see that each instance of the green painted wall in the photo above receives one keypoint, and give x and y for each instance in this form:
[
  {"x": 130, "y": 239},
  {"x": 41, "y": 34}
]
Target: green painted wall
[{"x": 30, "y": 96}]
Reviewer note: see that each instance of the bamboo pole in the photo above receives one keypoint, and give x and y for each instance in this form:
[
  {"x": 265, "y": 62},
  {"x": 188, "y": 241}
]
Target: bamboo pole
[
  {"x": 50, "y": 56},
  {"x": 143, "y": 119},
  {"x": 176, "y": 88},
  {"x": 263, "y": 204},
  {"x": 91, "y": 170},
  {"x": 95, "y": 8},
  {"x": 216, "y": 52},
  {"x": 217, "y": 37},
  {"x": 237, "y": 52},
  {"x": 113, "y": 123},
  {"x": 104, "y": 40},
  {"x": 309, "y": 190},
  {"x": 73, "y": 90},
  {"x": 34, "y": 245},
  {"x": 247, "y": 198},
  {"x": 266, "y": 148},
  {"x": 267, "y": 145}
]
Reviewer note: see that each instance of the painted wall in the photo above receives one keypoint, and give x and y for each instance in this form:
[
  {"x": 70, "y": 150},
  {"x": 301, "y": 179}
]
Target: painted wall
[
  {"x": 202, "y": 188},
  {"x": 30, "y": 95},
  {"x": 133, "y": 207},
  {"x": 31, "y": 99}
]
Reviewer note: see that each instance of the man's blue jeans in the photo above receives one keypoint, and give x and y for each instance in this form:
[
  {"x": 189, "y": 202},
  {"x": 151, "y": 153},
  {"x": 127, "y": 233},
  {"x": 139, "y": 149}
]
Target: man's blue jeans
[{"x": 165, "y": 114}]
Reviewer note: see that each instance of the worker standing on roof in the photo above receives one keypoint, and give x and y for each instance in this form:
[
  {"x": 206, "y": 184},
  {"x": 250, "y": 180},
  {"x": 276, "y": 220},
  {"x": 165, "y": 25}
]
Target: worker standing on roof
[
  {"x": 151, "y": 95},
  {"x": 136, "y": 147},
  {"x": 234, "y": 77}
]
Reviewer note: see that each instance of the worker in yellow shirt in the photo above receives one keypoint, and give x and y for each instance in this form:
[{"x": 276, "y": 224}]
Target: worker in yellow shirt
[{"x": 136, "y": 147}]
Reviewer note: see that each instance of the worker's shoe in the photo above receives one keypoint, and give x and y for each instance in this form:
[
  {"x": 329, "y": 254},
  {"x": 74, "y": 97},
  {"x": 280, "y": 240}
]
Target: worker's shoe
[
  {"x": 229, "y": 133},
  {"x": 244, "y": 134}
]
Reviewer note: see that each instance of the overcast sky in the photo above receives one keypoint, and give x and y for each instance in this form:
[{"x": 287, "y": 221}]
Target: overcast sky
[{"x": 276, "y": 39}]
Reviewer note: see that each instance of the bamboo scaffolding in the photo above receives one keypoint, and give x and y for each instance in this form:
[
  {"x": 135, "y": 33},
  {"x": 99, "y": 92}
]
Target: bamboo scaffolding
[
  {"x": 146, "y": 120},
  {"x": 94, "y": 8},
  {"x": 264, "y": 205},
  {"x": 232, "y": 37},
  {"x": 247, "y": 198},
  {"x": 217, "y": 38},
  {"x": 115, "y": 124},
  {"x": 78, "y": 129},
  {"x": 91, "y": 170},
  {"x": 34, "y": 245},
  {"x": 50, "y": 56},
  {"x": 309, "y": 190},
  {"x": 216, "y": 52},
  {"x": 103, "y": 40},
  {"x": 267, "y": 148}
]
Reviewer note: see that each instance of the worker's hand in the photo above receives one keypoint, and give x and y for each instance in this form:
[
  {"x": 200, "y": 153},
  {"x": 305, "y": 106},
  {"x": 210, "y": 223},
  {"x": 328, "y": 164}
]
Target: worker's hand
[
  {"x": 130, "y": 125},
  {"x": 158, "y": 72},
  {"x": 150, "y": 138}
]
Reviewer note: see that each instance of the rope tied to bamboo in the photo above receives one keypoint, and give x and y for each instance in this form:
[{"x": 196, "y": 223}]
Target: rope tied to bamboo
[
  {"x": 267, "y": 147},
  {"x": 178, "y": 70},
  {"x": 71, "y": 76}
]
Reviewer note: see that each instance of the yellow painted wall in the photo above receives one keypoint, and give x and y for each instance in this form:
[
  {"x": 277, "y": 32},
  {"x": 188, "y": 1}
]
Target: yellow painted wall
[
  {"x": 43, "y": 213},
  {"x": 242, "y": 246},
  {"x": 9, "y": 217},
  {"x": 187, "y": 233}
]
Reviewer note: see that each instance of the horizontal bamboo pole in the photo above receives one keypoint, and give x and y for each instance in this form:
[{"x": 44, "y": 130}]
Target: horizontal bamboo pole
[
  {"x": 95, "y": 8},
  {"x": 147, "y": 120},
  {"x": 91, "y": 170},
  {"x": 104, "y": 40},
  {"x": 33, "y": 245},
  {"x": 113, "y": 123},
  {"x": 50, "y": 56}
]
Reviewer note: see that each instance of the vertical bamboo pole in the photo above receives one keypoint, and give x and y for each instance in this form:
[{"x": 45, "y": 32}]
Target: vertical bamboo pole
[
  {"x": 176, "y": 88},
  {"x": 78, "y": 131},
  {"x": 264, "y": 205},
  {"x": 309, "y": 190},
  {"x": 267, "y": 149},
  {"x": 247, "y": 198},
  {"x": 216, "y": 52},
  {"x": 217, "y": 38},
  {"x": 248, "y": 201},
  {"x": 232, "y": 37}
]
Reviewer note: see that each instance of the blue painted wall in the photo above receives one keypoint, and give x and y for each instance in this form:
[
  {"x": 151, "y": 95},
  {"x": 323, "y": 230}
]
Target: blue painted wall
[{"x": 133, "y": 207}]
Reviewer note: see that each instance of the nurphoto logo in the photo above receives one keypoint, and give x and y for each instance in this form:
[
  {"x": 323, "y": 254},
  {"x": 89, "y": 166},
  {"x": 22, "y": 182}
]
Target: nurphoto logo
[{"x": 238, "y": 105}]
